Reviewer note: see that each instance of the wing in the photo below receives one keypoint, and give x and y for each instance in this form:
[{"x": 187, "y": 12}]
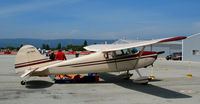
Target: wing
[{"x": 114, "y": 47}]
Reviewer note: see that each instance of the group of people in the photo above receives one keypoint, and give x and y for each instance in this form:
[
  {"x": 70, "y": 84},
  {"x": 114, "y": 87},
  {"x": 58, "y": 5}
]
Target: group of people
[
  {"x": 59, "y": 56},
  {"x": 61, "y": 77}
]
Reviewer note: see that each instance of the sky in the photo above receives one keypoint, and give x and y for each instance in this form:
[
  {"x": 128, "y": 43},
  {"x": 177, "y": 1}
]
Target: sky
[{"x": 98, "y": 19}]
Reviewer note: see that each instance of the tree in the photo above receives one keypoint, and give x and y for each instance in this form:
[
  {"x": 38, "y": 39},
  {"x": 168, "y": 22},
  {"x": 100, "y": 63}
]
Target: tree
[
  {"x": 69, "y": 47},
  {"x": 47, "y": 47},
  {"x": 19, "y": 46},
  {"x": 74, "y": 47},
  {"x": 10, "y": 47},
  {"x": 85, "y": 43},
  {"x": 59, "y": 46},
  {"x": 43, "y": 46}
]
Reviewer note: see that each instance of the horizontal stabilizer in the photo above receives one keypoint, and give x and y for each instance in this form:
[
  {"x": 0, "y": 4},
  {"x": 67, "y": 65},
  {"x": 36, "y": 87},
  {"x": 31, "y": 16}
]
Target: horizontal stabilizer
[{"x": 28, "y": 72}]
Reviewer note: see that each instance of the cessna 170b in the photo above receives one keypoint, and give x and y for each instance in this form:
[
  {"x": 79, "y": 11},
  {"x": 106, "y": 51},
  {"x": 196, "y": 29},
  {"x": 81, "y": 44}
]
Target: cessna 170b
[{"x": 107, "y": 58}]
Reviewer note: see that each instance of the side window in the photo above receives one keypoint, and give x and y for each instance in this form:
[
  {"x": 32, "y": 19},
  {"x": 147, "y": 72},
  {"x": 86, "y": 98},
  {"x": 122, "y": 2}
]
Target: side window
[
  {"x": 119, "y": 52},
  {"x": 134, "y": 50},
  {"x": 108, "y": 55}
]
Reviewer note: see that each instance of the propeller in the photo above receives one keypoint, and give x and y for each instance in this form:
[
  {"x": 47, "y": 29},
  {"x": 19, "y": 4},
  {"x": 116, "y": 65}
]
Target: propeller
[{"x": 161, "y": 52}]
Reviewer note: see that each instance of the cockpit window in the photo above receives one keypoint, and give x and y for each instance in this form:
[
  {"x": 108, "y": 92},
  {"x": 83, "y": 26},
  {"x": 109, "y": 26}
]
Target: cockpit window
[
  {"x": 118, "y": 53},
  {"x": 134, "y": 50},
  {"x": 122, "y": 52}
]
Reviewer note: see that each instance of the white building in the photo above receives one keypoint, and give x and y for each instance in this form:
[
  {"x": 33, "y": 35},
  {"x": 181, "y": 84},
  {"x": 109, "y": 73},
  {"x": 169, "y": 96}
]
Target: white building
[{"x": 191, "y": 48}]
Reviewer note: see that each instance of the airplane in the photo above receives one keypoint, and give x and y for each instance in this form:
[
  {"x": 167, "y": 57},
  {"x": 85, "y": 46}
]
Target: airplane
[{"x": 107, "y": 58}]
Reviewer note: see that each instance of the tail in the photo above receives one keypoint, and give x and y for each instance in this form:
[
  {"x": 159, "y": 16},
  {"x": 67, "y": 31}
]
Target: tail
[{"x": 29, "y": 58}]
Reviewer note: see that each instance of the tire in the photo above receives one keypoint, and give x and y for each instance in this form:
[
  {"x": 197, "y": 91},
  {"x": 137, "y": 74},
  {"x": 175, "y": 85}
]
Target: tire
[
  {"x": 23, "y": 82},
  {"x": 127, "y": 78},
  {"x": 145, "y": 83}
]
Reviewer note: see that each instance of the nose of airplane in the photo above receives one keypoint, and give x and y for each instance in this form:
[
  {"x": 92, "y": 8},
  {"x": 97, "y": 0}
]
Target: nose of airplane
[
  {"x": 150, "y": 54},
  {"x": 158, "y": 53}
]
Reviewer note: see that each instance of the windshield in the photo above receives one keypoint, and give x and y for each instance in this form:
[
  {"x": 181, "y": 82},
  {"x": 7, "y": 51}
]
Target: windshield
[{"x": 134, "y": 50}]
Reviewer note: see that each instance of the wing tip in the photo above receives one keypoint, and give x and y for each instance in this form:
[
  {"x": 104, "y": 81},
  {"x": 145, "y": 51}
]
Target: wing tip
[{"x": 173, "y": 39}]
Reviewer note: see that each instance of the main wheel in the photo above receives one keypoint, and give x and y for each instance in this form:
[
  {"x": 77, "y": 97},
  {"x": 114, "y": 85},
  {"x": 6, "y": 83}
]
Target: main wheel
[
  {"x": 146, "y": 83},
  {"x": 126, "y": 78},
  {"x": 23, "y": 82}
]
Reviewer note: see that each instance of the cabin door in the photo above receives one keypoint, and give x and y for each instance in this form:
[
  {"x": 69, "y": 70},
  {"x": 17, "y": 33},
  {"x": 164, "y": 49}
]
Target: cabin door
[{"x": 124, "y": 60}]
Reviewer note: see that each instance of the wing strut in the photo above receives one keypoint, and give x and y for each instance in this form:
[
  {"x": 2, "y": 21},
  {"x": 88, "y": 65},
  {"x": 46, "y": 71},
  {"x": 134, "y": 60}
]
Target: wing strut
[{"x": 139, "y": 57}]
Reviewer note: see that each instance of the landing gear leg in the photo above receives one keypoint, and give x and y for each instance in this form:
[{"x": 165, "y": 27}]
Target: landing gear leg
[
  {"x": 138, "y": 73},
  {"x": 23, "y": 82},
  {"x": 128, "y": 75}
]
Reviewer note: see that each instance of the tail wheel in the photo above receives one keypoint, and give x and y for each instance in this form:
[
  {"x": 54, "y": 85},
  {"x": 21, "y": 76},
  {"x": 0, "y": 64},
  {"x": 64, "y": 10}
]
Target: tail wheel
[{"x": 23, "y": 82}]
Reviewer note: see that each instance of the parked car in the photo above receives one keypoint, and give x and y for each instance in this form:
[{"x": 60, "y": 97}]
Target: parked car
[{"x": 174, "y": 56}]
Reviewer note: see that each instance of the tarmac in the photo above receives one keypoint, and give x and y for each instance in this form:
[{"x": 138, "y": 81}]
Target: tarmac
[{"x": 170, "y": 86}]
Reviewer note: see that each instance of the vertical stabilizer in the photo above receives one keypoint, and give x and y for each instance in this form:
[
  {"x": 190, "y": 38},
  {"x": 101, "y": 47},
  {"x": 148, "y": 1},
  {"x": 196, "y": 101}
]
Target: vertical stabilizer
[{"x": 27, "y": 58}]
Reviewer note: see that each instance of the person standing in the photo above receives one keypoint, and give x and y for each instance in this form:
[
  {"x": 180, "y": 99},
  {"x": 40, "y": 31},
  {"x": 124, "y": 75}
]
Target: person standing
[
  {"x": 52, "y": 55},
  {"x": 60, "y": 56},
  {"x": 76, "y": 55}
]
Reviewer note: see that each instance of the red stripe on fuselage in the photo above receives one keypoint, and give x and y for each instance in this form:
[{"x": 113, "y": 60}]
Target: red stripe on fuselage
[
  {"x": 120, "y": 59},
  {"x": 32, "y": 61},
  {"x": 30, "y": 64},
  {"x": 105, "y": 62}
]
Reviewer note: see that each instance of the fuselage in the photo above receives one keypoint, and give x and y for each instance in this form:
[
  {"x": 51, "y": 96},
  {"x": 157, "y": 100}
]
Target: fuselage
[{"x": 101, "y": 62}]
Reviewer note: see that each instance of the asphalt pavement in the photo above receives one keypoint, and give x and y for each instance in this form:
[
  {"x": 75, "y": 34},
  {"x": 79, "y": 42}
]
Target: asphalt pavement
[{"x": 170, "y": 86}]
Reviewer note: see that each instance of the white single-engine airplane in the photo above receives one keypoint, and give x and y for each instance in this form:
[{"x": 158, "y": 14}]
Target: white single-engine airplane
[{"x": 108, "y": 58}]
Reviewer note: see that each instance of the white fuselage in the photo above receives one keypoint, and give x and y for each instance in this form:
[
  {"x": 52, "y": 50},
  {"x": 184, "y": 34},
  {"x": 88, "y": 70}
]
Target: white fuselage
[{"x": 98, "y": 63}]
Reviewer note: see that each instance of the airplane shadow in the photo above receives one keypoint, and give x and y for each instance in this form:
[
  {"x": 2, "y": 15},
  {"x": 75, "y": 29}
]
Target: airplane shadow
[
  {"x": 148, "y": 89},
  {"x": 129, "y": 84},
  {"x": 38, "y": 84}
]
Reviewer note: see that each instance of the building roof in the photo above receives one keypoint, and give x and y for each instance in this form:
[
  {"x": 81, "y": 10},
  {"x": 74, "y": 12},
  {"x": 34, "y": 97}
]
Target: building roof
[{"x": 195, "y": 35}]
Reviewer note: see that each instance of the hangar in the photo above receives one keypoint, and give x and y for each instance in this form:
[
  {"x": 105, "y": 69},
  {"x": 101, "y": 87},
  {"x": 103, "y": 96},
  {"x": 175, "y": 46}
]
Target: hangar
[{"x": 191, "y": 48}]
